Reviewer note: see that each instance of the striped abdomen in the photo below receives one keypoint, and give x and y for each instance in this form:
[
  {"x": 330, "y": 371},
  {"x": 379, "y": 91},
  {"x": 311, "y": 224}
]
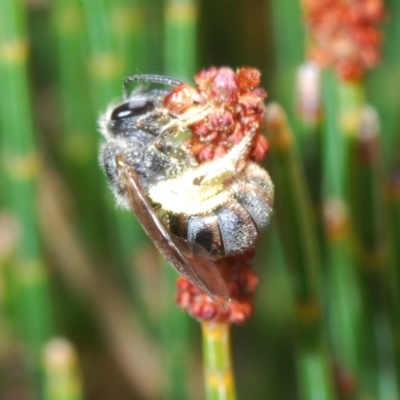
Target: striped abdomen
[{"x": 233, "y": 226}]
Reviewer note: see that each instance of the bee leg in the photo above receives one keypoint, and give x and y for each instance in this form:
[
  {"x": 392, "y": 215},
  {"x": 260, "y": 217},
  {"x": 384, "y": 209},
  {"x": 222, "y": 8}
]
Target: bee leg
[
  {"x": 164, "y": 145},
  {"x": 180, "y": 123},
  {"x": 161, "y": 124},
  {"x": 109, "y": 153}
]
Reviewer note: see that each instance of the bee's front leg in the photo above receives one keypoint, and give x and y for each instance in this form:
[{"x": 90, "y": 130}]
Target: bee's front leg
[{"x": 109, "y": 153}]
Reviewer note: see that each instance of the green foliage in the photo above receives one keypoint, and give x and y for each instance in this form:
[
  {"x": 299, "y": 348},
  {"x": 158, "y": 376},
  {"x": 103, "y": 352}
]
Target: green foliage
[{"x": 328, "y": 307}]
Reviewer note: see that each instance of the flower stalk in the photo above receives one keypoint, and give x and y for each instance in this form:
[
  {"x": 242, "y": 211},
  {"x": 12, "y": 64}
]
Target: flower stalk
[
  {"x": 218, "y": 374},
  {"x": 236, "y": 108}
]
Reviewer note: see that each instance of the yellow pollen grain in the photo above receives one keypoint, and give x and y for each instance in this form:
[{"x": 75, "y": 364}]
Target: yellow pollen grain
[{"x": 14, "y": 52}]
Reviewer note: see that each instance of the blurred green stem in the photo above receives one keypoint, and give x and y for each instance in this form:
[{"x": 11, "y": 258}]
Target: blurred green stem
[
  {"x": 298, "y": 233},
  {"x": 180, "y": 51},
  {"x": 342, "y": 107},
  {"x": 393, "y": 199},
  {"x": 107, "y": 62},
  {"x": 62, "y": 378},
  {"x": 180, "y": 21},
  {"x": 373, "y": 258},
  {"x": 288, "y": 36},
  {"x": 78, "y": 144},
  {"x": 175, "y": 333},
  {"x": 218, "y": 374},
  {"x": 308, "y": 123},
  {"x": 21, "y": 164}
]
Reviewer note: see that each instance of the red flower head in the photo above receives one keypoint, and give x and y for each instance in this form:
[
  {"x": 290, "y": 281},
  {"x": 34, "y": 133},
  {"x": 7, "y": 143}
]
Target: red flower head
[
  {"x": 235, "y": 105},
  {"x": 345, "y": 34}
]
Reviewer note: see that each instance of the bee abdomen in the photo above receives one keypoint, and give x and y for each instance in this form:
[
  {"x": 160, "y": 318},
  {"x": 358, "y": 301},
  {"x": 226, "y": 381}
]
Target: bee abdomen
[
  {"x": 238, "y": 230},
  {"x": 233, "y": 226},
  {"x": 258, "y": 176},
  {"x": 200, "y": 229},
  {"x": 204, "y": 230},
  {"x": 255, "y": 201},
  {"x": 228, "y": 230},
  {"x": 255, "y": 193}
]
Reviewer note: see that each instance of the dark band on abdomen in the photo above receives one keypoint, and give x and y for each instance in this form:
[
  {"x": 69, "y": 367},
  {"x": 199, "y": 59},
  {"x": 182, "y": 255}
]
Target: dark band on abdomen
[
  {"x": 238, "y": 229},
  {"x": 204, "y": 231}
]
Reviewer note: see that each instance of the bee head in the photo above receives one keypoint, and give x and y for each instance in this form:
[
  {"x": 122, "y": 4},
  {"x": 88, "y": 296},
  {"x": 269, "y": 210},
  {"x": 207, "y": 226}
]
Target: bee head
[
  {"x": 134, "y": 107},
  {"x": 121, "y": 120}
]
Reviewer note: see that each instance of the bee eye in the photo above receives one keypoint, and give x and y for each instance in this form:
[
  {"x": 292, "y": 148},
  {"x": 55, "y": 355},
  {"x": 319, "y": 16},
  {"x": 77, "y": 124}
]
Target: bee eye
[{"x": 132, "y": 109}]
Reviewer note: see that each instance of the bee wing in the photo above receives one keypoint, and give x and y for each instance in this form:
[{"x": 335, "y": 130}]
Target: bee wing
[{"x": 200, "y": 271}]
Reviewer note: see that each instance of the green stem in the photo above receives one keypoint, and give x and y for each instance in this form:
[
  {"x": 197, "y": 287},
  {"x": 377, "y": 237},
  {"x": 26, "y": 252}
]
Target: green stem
[
  {"x": 62, "y": 378},
  {"x": 218, "y": 374},
  {"x": 288, "y": 34},
  {"x": 21, "y": 166},
  {"x": 315, "y": 375},
  {"x": 107, "y": 63},
  {"x": 180, "y": 20},
  {"x": 393, "y": 200},
  {"x": 180, "y": 51},
  {"x": 298, "y": 234},
  {"x": 153, "y": 14},
  {"x": 358, "y": 296},
  {"x": 78, "y": 142},
  {"x": 309, "y": 120},
  {"x": 342, "y": 106},
  {"x": 175, "y": 332},
  {"x": 293, "y": 206},
  {"x": 366, "y": 197},
  {"x": 127, "y": 26}
]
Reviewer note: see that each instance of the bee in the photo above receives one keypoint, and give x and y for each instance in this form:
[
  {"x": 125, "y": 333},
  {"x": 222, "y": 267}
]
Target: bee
[{"x": 195, "y": 213}]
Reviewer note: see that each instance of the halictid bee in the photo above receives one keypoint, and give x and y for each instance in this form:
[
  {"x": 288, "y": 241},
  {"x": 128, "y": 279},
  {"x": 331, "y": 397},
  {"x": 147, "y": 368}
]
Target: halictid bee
[{"x": 194, "y": 212}]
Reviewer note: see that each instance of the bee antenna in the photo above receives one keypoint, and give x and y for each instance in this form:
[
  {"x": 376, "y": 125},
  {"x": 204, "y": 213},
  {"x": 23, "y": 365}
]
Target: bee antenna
[{"x": 165, "y": 80}]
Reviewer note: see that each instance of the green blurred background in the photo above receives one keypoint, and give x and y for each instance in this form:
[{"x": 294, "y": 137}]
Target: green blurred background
[{"x": 74, "y": 267}]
